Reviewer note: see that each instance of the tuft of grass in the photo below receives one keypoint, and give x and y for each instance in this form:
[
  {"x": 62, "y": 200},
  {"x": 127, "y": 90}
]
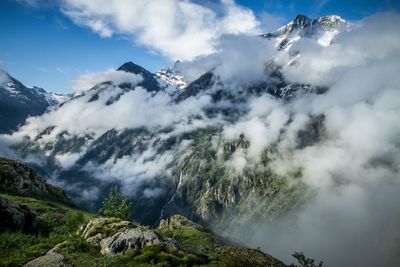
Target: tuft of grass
[
  {"x": 148, "y": 256},
  {"x": 76, "y": 244}
]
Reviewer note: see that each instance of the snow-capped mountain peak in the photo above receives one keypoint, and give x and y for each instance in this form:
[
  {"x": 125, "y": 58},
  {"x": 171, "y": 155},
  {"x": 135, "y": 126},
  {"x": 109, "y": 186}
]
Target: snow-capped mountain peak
[
  {"x": 171, "y": 77},
  {"x": 324, "y": 29}
]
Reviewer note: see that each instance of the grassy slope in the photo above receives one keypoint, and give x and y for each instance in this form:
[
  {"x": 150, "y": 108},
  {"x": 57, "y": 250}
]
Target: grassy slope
[{"x": 58, "y": 222}]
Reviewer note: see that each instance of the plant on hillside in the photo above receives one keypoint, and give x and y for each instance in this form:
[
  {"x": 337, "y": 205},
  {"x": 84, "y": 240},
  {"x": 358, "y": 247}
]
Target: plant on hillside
[
  {"x": 116, "y": 206},
  {"x": 305, "y": 262}
]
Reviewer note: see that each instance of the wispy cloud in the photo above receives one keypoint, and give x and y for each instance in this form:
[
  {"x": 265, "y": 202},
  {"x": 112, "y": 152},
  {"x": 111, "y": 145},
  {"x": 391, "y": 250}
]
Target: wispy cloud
[
  {"x": 41, "y": 69},
  {"x": 60, "y": 70},
  {"x": 177, "y": 29}
]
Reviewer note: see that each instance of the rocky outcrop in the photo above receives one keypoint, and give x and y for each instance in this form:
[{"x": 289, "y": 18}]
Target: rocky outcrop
[
  {"x": 136, "y": 238},
  {"x": 100, "y": 228},
  {"x": 15, "y": 217},
  {"x": 18, "y": 179},
  {"x": 116, "y": 236}
]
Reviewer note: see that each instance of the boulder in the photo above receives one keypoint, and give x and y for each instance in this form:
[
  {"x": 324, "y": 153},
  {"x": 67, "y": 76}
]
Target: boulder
[
  {"x": 100, "y": 228},
  {"x": 51, "y": 259},
  {"x": 135, "y": 238},
  {"x": 116, "y": 236},
  {"x": 15, "y": 217}
]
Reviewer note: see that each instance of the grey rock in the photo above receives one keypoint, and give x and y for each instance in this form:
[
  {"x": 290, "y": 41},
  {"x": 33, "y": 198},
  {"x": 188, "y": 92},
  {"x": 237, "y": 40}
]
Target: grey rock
[
  {"x": 51, "y": 259},
  {"x": 136, "y": 238},
  {"x": 100, "y": 228}
]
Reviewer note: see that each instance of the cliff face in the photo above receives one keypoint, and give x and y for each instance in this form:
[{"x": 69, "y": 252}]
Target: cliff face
[{"x": 18, "y": 179}]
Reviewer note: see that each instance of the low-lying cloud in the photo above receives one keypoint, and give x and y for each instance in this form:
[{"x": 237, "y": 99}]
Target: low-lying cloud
[
  {"x": 354, "y": 170},
  {"x": 89, "y": 80}
]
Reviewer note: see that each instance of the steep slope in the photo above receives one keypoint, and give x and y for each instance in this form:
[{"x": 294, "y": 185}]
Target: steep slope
[
  {"x": 17, "y": 102},
  {"x": 149, "y": 82},
  {"x": 18, "y": 179}
]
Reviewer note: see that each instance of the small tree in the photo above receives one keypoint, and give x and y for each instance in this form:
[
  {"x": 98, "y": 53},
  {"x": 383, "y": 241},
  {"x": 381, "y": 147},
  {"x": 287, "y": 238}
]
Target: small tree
[
  {"x": 116, "y": 206},
  {"x": 305, "y": 262}
]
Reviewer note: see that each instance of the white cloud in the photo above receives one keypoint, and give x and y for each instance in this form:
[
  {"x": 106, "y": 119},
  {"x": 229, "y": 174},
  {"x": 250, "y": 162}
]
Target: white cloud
[
  {"x": 87, "y": 81},
  {"x": 354, "y": 169},
  {"x": 177, "y": 29}
]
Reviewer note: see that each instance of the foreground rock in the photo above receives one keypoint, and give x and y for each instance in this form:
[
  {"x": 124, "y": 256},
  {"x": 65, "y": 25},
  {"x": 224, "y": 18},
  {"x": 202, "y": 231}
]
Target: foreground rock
[
  {"x": 51, "y": 259},
  {"x": 15, "y": 217},
  {"x": 136, "y": 238},
  {"x": 115, "y": 236},
  {"x": 18, "y": 179}
]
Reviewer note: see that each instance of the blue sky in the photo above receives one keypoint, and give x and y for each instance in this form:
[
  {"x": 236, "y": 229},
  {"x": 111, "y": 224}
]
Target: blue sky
[{"x": 40, "y": 45}]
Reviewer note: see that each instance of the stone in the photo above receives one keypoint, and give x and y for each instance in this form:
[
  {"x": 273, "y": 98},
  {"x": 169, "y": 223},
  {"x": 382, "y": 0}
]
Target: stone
[
  {"x": 136, "y": 238},
  {"x": 100, "y": 228},
  {"x": 15, "y": 217},
  {"x": 51, "y": 259}
]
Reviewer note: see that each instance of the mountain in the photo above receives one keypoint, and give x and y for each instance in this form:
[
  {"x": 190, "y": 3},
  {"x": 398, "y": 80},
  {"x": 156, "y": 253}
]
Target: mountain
[
  {"x": 199, "y": 182},
  {"x": 172, "y": 77},
  {"x": 17, "y": 102},
  {"x": 209, "y": 190},
  {"x": 184, "y": 151},
  {"x": 149, "y": 82},
  {"x": 324, "y": 29}
]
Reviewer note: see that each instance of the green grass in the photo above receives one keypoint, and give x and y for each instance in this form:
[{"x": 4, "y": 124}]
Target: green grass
[
  {"x": 58, "y": 223},
  {"x": 148, "y": 256},
  {"x": 55, "y": 223}
]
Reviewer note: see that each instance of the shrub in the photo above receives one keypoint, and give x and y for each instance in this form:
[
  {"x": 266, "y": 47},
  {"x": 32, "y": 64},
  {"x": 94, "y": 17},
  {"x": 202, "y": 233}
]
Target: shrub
[
  {"x": 305, "y": 262},
  {"x": 116, "y": 206}
]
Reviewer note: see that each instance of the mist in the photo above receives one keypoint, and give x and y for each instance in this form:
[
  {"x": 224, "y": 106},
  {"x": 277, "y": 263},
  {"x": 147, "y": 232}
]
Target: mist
[{"x": 353, "y": 216}]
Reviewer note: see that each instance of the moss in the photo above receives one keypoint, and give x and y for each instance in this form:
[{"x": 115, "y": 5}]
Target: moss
[{"x": 106, "y": 226}]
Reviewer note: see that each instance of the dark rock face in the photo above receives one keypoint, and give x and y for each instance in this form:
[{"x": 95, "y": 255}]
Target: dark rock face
[
  {"x": 203, "y": 83},
  {"x": 18, "y": 102},
  {"x": 149, "y": 79},
  {"x": 16, "y": 178},
  {"x": 15, "y": 217}
]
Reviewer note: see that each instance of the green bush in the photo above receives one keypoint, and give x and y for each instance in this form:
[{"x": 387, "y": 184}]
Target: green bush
[
  {"x": 305, "y": 262},
  {"x": 116, "y": 206}
]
